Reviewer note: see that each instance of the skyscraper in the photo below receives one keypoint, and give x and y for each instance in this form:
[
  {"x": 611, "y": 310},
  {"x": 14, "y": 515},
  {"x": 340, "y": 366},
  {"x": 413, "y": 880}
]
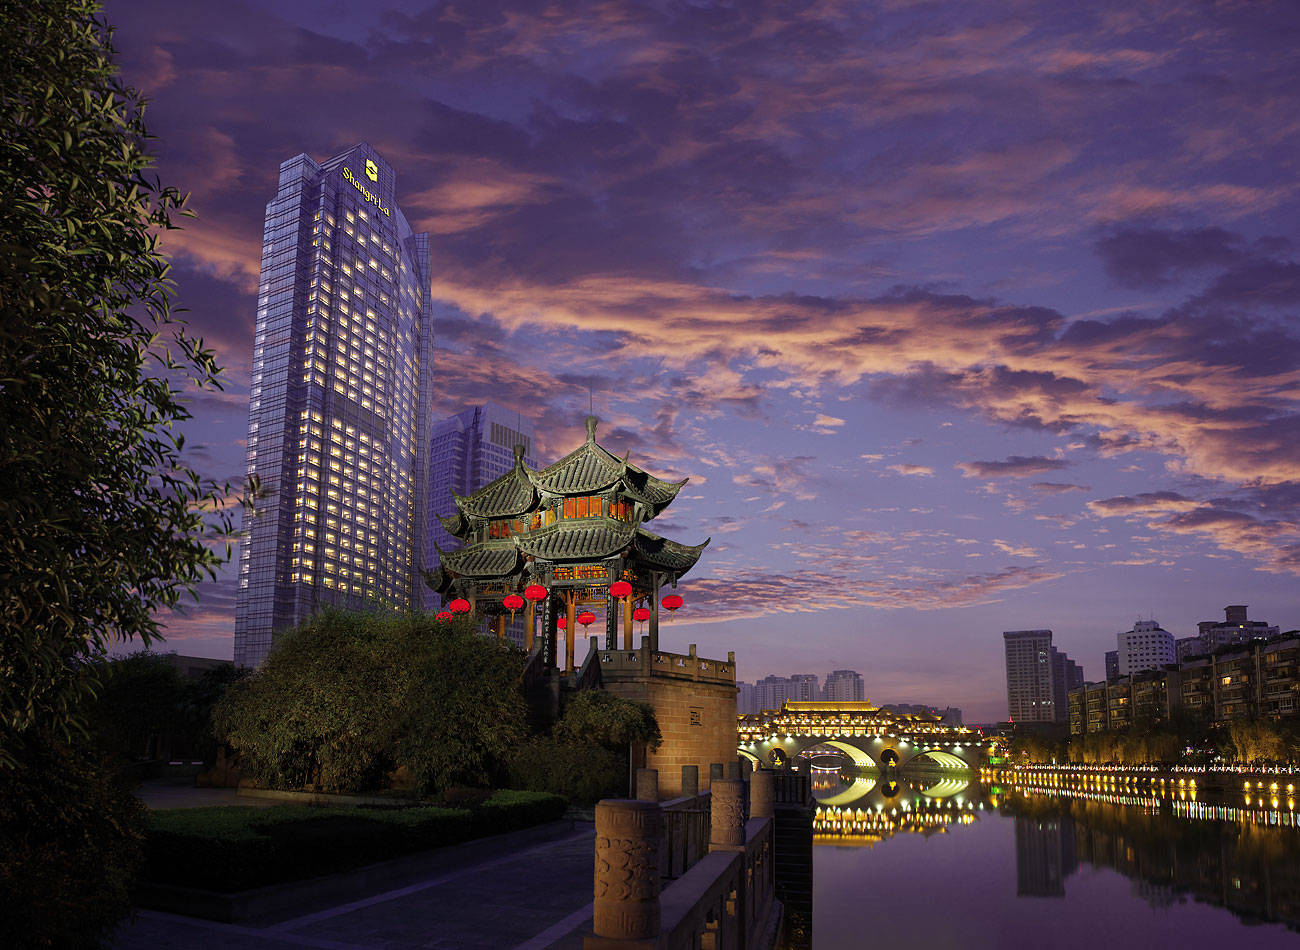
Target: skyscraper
[
  {"x": 844, "y": 686},
  {"x": 467, "y": 451},
  {"x": 337, "y": 431},
  {"x": 1037, "y": 675}
]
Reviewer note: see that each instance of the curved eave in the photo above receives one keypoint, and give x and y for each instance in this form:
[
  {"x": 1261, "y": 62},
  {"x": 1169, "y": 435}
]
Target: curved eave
[
  {"x": 455, "y": 525},
  {"x": 653, "y": 492},
  {"x": 496, "y": 558},
  {"x": 585, "y": 539},
  {"x": 509, "y": 496},
  {"x": 665, "y": 554}
]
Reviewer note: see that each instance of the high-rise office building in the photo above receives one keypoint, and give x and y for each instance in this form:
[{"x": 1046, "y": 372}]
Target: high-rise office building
[
  {"x": 771, "y": 691},
  {"x": 467, "y": 451},
  {"x": 844, "y": 686},
  {"x": 1039, "y": 677},
  {"x": 1146, "y": 647},
  {"x": 338, "y": 411},
  {"x": 804, "y": 687},
  {"x": 746, "y": 698}
]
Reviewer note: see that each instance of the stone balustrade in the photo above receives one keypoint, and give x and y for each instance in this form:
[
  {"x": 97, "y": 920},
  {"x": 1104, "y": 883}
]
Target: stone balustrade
[{"x": 725, "y": 900}]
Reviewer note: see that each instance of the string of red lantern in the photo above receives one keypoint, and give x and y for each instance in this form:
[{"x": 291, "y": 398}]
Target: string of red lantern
[
  {"x": 586, "y": 618},
  {"x": 443, "y": 615},
  {"x": 459, "y": 606},
  {"x": 641, "y": 614},
  {"x": 534, "y": 592},
  {"x": 512, "y": 602},
  {"x": 620, "y": 589}
]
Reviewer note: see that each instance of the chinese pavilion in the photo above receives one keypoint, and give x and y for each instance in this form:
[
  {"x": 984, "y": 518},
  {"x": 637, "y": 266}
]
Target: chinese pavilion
[{"x": 559, "y": 538}]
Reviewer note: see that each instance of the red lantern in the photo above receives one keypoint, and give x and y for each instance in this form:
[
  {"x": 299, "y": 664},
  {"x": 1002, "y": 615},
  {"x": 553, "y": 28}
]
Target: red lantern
[
  {"x": 672, "y": 602},
  {"x": 512, "y": 602},
  {"x": 562, "y": 623},
  {"x": 534, "y": 592},
  {"x": 443, "y": 615},
  {"x": 620, "y": 589},
  {"x": 459, "y": 606},
  {"x": 586, "y": 618},
  {"x": 641, "y": 614}
]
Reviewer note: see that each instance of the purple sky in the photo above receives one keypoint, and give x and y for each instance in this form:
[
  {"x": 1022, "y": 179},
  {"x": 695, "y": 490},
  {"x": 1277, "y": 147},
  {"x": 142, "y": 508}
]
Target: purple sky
[{"x": 961, "y": 316}]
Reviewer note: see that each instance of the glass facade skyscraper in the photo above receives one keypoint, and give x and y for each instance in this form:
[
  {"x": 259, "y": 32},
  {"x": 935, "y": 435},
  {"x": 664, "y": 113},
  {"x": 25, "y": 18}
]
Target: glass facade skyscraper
[
  {"x": 467, "y": 451},
  {"x": 339, "y": 406}
]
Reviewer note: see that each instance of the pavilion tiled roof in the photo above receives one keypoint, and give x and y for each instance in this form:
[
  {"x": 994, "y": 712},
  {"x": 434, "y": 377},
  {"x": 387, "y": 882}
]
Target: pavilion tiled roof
[
  {"x": 495, "y": 558},
  {"x": 511, "y": 494},
  {"x": 579, "y": 539}
]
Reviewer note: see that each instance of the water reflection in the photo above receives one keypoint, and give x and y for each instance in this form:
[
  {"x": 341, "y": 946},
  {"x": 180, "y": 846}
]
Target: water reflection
[
  {"x": 1201, "y": 867},
  {"x": 862, "y": 807}
]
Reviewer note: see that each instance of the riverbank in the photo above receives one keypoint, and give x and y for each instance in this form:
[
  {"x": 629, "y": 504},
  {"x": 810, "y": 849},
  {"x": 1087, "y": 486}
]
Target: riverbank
[{"x": 1275, "y": 780}]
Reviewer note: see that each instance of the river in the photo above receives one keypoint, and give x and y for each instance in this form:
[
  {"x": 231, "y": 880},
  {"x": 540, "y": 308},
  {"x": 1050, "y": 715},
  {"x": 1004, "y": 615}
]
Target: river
[{"x": 935, "y": 862}]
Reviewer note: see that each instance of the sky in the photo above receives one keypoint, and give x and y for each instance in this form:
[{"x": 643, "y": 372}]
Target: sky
[{"x": 961, "y": 317}]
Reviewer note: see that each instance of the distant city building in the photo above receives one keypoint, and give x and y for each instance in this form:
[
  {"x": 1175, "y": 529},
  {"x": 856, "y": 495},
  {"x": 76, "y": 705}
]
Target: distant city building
[
  {"x": 1256, "y": 679},
  {"x": 746, "y": 699},
  {"x": 1112, "y": 664},
  {"x": 844, "y": 685},
  {"x": 339, "y": 402},
  {"x": 804, "y": 687},
  {"x": 1147, "y": 646},
  {"x": 771, "y": 691},
  {"x": 468, "y": 450},
  {"x": 1066, "y": 675},
  {"x": 1032, "y": 672},
  {"x": 1184, "y": 649},
  {"x": 1234, "y": 629}
]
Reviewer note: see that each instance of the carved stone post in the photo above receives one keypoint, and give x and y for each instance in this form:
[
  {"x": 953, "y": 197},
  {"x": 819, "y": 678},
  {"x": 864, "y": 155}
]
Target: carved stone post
[
  {"x": 627, "y": 873},
  {"x": 762, "y": 793},
  {"x": 690, "y": 780},
  {"x": 727, "y": 814},
  {"x": 647, "y": 785}
]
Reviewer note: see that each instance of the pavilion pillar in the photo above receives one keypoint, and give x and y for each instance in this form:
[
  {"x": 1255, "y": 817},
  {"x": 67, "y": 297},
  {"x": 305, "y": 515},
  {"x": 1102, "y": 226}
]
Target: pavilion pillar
[
  {"x": 570, "y": 632},
  {"x": 654, "y": 613},
  {"x": 611, "y": 612},
  {"x": 530, "y": 621},
  {"x": 549, "y": 610},
  {"x": 499, "y": 622},
  {"x": 627, "y": 622}
]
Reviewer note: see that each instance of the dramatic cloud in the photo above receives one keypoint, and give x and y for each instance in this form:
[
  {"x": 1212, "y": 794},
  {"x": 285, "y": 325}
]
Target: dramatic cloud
[{"x": 1015, "y": 466}]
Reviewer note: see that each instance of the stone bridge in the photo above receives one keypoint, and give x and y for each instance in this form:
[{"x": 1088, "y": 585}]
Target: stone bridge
[{"x": 872, "y": 738}]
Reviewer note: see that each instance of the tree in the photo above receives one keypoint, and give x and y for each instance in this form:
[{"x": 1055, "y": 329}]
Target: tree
[
  {"x": 347, "y": 697},
  {"x": 104, "y": 522}
]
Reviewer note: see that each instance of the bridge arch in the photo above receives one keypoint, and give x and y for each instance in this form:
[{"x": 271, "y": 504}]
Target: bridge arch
[
  {"x": 859, "y": 756},
  {"x": 758, "y": 764},
  {"x": 941, "y": 758}
]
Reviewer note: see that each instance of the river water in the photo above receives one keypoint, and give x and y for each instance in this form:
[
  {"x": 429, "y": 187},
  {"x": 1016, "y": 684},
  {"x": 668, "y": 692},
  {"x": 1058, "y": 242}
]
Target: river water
[{"x": 935, "y": 863}]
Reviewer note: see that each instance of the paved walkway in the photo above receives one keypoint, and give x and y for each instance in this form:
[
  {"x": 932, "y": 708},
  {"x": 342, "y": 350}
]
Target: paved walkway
[
  {"x": 181, "y": 793},
  {"x": 533, "y": 899}
]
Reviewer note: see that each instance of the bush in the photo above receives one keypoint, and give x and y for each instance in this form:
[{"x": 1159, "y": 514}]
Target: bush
[
  {"x": 345, "y": 698},
  {"x": 70, "y": 842},
  {"x": 511, "y": 810},
  {"x": 233, "y": 848},
  {"x": 582, "y": 772}
]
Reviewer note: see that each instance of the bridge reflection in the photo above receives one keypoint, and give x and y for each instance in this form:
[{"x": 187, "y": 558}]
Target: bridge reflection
[{"x": 857, "y": 807}]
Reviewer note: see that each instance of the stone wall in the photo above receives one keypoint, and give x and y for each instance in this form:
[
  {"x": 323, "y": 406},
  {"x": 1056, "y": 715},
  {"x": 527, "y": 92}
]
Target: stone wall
[{"x": 694, "y": 700}]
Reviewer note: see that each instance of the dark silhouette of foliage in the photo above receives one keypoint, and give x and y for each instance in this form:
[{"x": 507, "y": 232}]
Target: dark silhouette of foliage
[
  {"x": 347, "y": 697},
  {"x": 104, "y": 521}
]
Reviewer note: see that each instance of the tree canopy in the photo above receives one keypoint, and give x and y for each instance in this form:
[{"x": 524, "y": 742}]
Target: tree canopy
[
  {"x": 104, "y": 522},
  {"x": 347, "y": 697}
]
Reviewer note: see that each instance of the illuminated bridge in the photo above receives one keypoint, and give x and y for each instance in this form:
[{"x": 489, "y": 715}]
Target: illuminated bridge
[{"x": 872, "y": 738}]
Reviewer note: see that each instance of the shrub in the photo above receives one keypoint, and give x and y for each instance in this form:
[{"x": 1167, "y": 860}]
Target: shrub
[
  {"x": 511, "y": 810},
  {"x": 233, "y": 848},
  {"x": 581, "y": 772},
  {"x": 348, "y": 696}
]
